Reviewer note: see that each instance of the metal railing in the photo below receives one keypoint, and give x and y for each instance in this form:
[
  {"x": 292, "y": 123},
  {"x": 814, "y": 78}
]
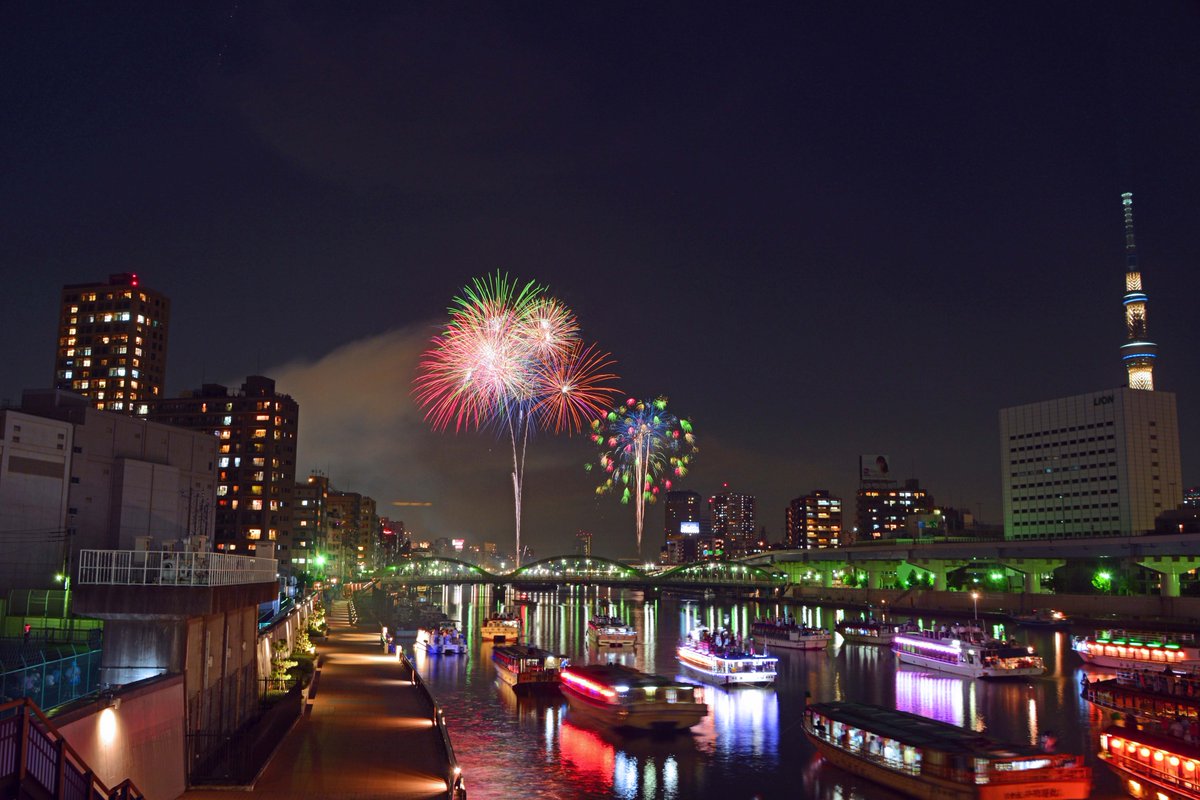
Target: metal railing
[
  {"x": 50, "y": 677},
  {"x": 456, "y": 786},
  {"x": 169, "y": 568},
  {"x": 32, "y": 751}
]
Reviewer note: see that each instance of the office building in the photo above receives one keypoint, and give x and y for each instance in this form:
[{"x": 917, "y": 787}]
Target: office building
[
  {"x": 112, "y": 343},
  {"x": 684, "y": 527},
  {"x": 814, "y": 521},
  {"x": 1104, "y": 463},
  {"x": 255, "y": 429}
]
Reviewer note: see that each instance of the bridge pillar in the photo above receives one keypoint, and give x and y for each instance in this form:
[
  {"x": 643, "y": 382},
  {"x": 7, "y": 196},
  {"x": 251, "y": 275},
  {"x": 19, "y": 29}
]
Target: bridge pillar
[
  {"x": 1033, "y": 569},
  {"x": 940, "y": 567},
  {"x": 877, "y": 569},
  {"x": 1170, "y": 568}
]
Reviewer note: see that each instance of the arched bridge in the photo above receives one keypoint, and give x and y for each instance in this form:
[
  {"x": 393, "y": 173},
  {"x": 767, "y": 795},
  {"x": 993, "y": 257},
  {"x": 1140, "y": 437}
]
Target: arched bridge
[{"x": 581, "y": 571}]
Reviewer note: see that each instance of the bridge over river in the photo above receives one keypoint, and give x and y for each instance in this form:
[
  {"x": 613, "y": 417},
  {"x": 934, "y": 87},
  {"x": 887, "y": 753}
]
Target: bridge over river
[{"x": 549, "y": 573}]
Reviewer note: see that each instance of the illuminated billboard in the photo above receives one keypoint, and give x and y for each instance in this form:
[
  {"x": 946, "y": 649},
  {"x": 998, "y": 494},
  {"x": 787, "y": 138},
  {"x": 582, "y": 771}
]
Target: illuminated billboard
[
  {"x": 692, "y": 528},
  {"x": 458, "y": 544},
  {"x": 874, "y": 467}
]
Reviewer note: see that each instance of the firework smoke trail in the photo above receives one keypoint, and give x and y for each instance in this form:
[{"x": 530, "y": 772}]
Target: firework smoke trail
[
  {"x": 512, "y": 358},
  {"x": 641, "y": 442}
]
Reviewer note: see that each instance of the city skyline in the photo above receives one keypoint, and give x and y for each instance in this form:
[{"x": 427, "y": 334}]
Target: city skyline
[{"x": 820, "y": 234}]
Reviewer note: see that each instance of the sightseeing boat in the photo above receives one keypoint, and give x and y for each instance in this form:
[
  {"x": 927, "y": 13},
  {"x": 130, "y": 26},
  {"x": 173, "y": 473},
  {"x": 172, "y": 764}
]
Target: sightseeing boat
[
  {"x": 872, "y": 631},
  {"x": 789, "y": 635},
  {"x": 501, "y": 626},
  {"x": 443, "y": 638},
  {"x": 1119, "y": 649},
  {"x": 621, "y": 697},
  {"x": 607, "y": 631},
  {"x": 1151, "y": 765},
  {"x": 526, "y": 668},
  {"x": 720, "y": 658},
  {"x": 924, "y": 758},
  {"x": 968, "y": 653},
  {"x": 1162, "y": 701}
]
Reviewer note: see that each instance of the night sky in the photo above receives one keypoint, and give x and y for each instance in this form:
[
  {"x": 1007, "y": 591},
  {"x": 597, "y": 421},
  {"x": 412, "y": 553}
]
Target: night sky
[{"x": 821, "y": 231}]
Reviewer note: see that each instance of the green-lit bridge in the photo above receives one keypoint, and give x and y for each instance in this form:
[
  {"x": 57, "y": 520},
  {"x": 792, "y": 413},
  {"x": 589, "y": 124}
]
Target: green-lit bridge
[{"x": 589, "y": 571}]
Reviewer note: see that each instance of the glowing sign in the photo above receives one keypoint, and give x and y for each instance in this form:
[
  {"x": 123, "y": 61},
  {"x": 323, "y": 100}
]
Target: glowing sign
[{"x": 692, "y": 528}]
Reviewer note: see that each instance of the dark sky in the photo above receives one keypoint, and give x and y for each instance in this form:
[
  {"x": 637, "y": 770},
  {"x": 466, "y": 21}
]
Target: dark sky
[{"x": 821, "y": 231}]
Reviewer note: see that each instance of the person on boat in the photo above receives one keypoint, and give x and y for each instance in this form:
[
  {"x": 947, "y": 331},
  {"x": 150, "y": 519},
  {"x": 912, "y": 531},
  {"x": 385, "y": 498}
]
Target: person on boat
[{"x": 1048, "y": 741}]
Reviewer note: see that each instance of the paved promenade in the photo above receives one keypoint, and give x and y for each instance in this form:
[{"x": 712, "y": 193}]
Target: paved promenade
[{"x": 368, "y": 735}]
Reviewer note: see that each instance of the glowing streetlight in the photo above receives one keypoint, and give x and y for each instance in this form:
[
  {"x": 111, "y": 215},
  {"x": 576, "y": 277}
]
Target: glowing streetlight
[{"x": 975, "y": 602}]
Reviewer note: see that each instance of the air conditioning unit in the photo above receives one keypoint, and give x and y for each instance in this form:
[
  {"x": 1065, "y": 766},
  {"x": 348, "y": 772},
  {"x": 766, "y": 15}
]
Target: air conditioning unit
[
  {"x": 142, "y": 543},
  {"x": 197, "y": 544}
]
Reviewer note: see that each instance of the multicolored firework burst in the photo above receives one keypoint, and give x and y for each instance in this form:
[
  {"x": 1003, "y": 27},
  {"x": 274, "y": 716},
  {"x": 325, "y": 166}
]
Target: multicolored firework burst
[
  {"x": 511, "y": 357},
  {"x": 642, "y": 446}
]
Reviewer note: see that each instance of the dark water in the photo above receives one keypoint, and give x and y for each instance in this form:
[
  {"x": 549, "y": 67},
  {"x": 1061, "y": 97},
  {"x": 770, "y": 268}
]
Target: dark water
[{"x": 750, "y": 745}]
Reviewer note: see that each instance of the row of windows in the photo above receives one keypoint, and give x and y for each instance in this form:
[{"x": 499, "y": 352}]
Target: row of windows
[
  {"x": 1065, "y": 456},
  {"x": 1070, "y": 482},
  {"x": 1061, "y": 444},
  {"x": 1051, "y": 470},
  {"x": 1057, "y": 431},
  {"x": 1060, "y": 509}
]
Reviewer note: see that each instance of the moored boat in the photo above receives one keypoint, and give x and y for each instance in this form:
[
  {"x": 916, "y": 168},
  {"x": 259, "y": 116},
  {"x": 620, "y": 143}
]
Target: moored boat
[
  {"x": 872, "y": 631},
  {"x": 1151, "y": 765},
  {"x": 786, "y": 633},
  {"x": 924, "y": 758},
  {"x": 608, "y": 631},
  {"x": 621, "y": 697},
  {"x": 1120, "y": 649},
  {"x": 1163, "y": 701},
  {"x": 967, "y": 653},
  {"x": 1043, "y": 618},
  {"x": 526, "y": 668},
  {"x": 501, "y": 626},
  {"x": 443, "y": 638},
  {"x": 721, "y": 658}
]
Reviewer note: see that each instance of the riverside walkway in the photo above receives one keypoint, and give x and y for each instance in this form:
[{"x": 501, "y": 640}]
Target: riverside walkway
[{"x": 368, "y": 734}]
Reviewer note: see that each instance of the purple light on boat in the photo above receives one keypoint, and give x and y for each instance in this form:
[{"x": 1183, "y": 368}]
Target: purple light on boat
[{"x": 923, "y": 644}]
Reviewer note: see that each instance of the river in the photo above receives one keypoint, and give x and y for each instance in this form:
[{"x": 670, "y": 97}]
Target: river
[{"x": 750, "y": 745}]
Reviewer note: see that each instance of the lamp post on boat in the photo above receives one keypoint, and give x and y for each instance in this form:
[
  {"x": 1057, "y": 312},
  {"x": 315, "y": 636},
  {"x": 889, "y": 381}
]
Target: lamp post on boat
[{"x": 975, "y": 602}]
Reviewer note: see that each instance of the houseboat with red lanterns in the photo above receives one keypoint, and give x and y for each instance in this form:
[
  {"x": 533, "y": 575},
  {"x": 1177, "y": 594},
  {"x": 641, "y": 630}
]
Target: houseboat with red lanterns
[{"x": 1121, "y": 649}]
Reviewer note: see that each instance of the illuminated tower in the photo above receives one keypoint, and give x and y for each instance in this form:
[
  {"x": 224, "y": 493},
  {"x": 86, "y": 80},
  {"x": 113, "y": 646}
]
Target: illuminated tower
[{"x": 1137, "y": 353}]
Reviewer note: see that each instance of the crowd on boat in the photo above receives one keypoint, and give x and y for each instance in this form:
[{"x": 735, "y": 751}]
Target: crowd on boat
[
  {"x": 723, "y": 643},
  {"x": 784, "y": 625}
]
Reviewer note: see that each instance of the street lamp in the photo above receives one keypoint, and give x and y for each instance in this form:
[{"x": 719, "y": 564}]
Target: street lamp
[{"x": 975, "y": 602}]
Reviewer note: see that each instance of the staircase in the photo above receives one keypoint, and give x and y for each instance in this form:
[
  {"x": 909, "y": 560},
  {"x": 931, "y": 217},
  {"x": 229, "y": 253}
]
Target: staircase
[{"x": 37, "y": 763}]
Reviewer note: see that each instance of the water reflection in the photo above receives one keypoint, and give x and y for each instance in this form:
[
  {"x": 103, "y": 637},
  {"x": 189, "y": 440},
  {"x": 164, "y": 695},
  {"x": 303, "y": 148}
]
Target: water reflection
[{"x": 749, "y": 745}]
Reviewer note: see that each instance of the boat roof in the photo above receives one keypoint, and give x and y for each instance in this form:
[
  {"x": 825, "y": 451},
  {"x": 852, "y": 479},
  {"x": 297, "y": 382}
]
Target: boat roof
[
  {"x": 919, "y": 731},
  {"x": 613, "y": 674},
  {"x": 523, "y": 651}
]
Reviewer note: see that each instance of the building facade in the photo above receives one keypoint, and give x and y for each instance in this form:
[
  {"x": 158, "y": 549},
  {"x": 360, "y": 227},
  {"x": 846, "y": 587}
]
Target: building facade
[
  {"x": 255, "y": 430},
  {"x": 685, "y": 526},
  {"x": 882, "y": 510},
  {"x": 1099, "y": 464},
  {"x": 732, "y": 518},
  {"x": 112, "y": 343},
  {"x": 73, "y": 477},
  {"x": 814, "y": 521}
]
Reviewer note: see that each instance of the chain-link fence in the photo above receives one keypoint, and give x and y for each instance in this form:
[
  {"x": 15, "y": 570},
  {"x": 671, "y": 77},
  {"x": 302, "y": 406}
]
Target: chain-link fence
[{"x": 49, "y": 676}]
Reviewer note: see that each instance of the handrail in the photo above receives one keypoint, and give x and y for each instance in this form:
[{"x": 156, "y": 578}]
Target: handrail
[
  {"x": 50, "y": 761},
  {"x": 456, "y": 789},
  {"x": 171, "y": 568}
]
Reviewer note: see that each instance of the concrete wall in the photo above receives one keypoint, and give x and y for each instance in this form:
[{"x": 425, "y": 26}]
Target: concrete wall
[
  {"x": 142, "y": 739},
  {"x": 286, "y": 630},
  {"x": 35, "y": 459}
]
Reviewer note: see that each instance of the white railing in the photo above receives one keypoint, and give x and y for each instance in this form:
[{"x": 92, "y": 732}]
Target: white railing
[{"x": 167, "y": 568}]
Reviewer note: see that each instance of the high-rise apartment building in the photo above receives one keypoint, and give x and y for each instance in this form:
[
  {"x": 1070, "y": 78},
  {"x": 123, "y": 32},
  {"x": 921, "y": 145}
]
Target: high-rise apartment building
[
  {"x": 883, "y": 510},
  {"x": 814, "y": 521},
  {"x": 112, "y": 343},
  {"x": 685, "y": 526},
  {"x": 310, "y": 521},
  {"x": 583, "y": 543},
  {"x": 256, "y": 459},
  {"x": 732, "y": 517},
  {"x": 1105, "y": 463}
]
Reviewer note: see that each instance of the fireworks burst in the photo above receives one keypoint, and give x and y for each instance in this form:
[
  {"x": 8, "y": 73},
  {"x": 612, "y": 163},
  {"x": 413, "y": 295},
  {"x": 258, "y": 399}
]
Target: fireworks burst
[
  {"x": 642, "y": 446},
  {"x": 511, "y": 357}
]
